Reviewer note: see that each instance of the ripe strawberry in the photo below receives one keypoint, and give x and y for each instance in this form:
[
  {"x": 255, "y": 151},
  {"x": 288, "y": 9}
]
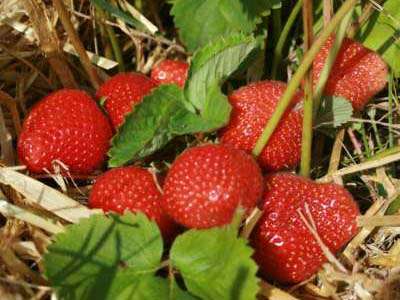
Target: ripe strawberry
[
  {"x": 357, "y": 74},
  {"x": 253, "y": 105},
  {"x": 170, "y": 71},
  {"x": 284, "y": 248},
  {"x": 133, "y": 189},
  {"x": 206, "y": 184},
  {"x": 68, "y": 126},
  {"x": 122, "y": 92}
]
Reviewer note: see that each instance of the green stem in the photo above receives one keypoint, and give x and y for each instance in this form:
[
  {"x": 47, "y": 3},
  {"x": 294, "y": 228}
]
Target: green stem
[
  {"x": 365, "y": 140},
  {"x": 333, "y": 52},
  {"x": 116, "y": 48},
  {"x": 390, "y": 112},
  {"x": 297, "y": 77},
  {"x": 384, "y": 153},
  {"x": 113, "y": 41},
  {"x": 375, "y": 128},
  {"x": 283, "y": 37},
  {"x": 307, "y": 133},
  {"x": 276, "y": 23}
]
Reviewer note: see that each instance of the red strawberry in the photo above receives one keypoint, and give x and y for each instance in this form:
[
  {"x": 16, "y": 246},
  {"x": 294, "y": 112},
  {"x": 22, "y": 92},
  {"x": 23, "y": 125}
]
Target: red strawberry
[
  {"x": 206, "y": 184},
  {"x": 122, "y": 92},
  {"x": 170, "y": 71},
  {"x": 133, "y": 189},
  {"x": 68, "y": 126},
  {"x": 284, "y": 248},
  {"x": 357, "y": 74},
  {"x": 253, "y": 105}
]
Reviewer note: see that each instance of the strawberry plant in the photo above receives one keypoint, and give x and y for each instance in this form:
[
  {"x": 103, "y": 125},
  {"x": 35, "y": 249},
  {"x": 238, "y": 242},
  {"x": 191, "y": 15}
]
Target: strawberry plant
[{"x": 199, "y": 149}]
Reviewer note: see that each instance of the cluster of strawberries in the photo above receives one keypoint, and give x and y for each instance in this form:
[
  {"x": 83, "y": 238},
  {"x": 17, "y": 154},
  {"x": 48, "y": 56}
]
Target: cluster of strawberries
[{"x": 206, "y": 184}]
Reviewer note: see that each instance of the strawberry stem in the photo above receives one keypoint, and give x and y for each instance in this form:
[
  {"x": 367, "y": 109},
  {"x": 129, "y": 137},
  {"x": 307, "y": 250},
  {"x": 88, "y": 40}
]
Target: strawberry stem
[
  {"x": 283, "y": 37},
  {"x": 307, "y": 133},
  {"x": 306, "y": 140},
  {"x": 390, "y": 109},
  {"x": 115, "y": 46},
  {"x": 384, "y": 153},
  {"x": 117, "y": 54},
  {"x": 297, "y": 77},
  {"x": 276, "y": 23},
  {"x": 333, "y": 52}
]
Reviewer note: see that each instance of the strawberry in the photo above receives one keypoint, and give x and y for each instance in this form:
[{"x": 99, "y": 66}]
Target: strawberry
[
  {"x": 357, "y": 74},
  {"x": 285, "y": 249},
  {"x": 133, "y": 189},
  {"x": 67, "y": 125},
  {"x": 121, "y": 92},
  {"x": 206, "y": 184},
  {"x": 170, "y": 71},
  {"x": 252, "y": 107}
]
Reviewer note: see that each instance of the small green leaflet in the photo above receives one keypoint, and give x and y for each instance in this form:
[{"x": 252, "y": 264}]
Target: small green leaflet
[
  {"x": 169, "y": 111},
  {"x": 334, "y": 111},
  {"x": 216, "y": 264},
  {"x": 150, "y": 287},
  {"x": 224, "y": 17},
  {"x": 95, "y": 258},
  {"x": 214, "y": 114},
  {"x": 214, "y": 63},
  {"x": 145, "y": 130},
  {"x": 394, "y": 207},
  {"x": 381, "y": 33}
]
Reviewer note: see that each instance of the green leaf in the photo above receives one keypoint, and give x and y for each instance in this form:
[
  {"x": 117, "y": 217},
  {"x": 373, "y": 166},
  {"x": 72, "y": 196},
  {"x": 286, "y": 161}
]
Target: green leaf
[
  {"x": 214, "y": 115},
  {"x": 145, "y": 130},
  {"x": 334, "y": 111},
  {"x": 202, "y": 21},
  {"x": 221, "y": 270},
  {"x": 149, "y": 287},
  {"x": 116, "y": 12},
  {"x": 381, "y": 33},
  {"x": 217, "y": 108},
  {"x": 95, "y": 257},
  {"x": 214, "y": 63},
  {"x": 186, "y": 122},
  {"x": 394, "y": 207}
]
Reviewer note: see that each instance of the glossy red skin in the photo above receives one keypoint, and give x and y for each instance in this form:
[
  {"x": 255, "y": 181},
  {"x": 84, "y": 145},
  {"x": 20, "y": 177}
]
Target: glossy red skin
[
  {"x": 285, "y": 249},
  {"x": 132, "y": 189},
  {"x": 122, "y": 92},
  {"x": 170, "y": 71},
  {"x": 358, "y": 73},
  {"x": 252, "y": 107},
  {"x": 206, "y": 184},
  {"x": 66, "y": 125}
]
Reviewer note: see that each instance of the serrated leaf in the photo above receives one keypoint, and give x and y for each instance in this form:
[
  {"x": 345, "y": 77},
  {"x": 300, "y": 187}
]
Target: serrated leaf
[
  {"x": 149, "y": 287},
  {"x": 217, "y": 108},
  {"x": 381, "y": 33},
  {"x": 202, "y": 21},
  {"x": 214, "y": 63},
  {"x": 85, "y": 262},
  {"x": 214, "y": 115},
  {"x": 334, "y": 111},
  {"x": 145, "y": 130},
  {"x": 222, "y": 270},
  {"x": 186, "y": 122}
]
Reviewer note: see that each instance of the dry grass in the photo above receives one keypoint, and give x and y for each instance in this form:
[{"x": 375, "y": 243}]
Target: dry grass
[{"x": 42, "y": 48}]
